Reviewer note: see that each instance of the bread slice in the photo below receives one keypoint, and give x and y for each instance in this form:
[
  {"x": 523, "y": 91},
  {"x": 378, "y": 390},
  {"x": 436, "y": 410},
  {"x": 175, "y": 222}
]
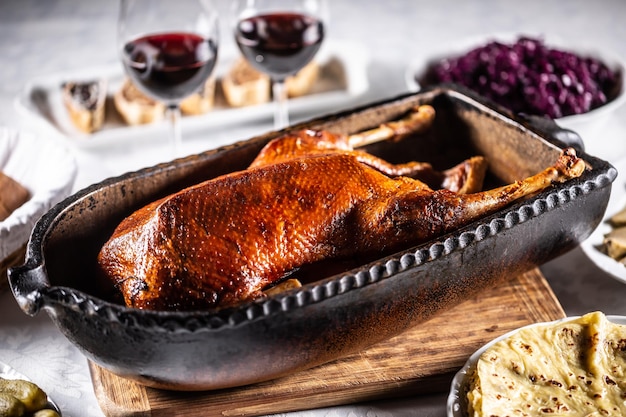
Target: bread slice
[
  {"x": 85, "y": 103},
  {"x": 615, "y": 243},
  {"x": 301, "y": 83},
  {"x": 619, "y": 218},
  {"x": 245, "y": 86},
  {"x": 12, "y": 195},
  {"x": 202, "y": 101},
  {"x": 135, "y": 107}
]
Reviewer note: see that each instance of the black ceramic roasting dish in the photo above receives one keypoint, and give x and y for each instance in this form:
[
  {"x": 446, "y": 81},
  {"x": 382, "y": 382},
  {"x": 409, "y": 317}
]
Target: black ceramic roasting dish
[{"x": 335, "y": 313}]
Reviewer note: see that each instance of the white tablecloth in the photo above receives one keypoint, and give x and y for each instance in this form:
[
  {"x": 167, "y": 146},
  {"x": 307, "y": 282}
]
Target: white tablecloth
[{"x": 47, "y": 37}]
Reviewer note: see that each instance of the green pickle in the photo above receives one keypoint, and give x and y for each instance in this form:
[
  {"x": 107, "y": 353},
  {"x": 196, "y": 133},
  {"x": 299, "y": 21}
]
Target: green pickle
[
  {"x": 29, "y": 394},
  {"x": 46, "y": 413},
  {"x": 10, "y": 406},
  {"x": 23, "y": 398}
]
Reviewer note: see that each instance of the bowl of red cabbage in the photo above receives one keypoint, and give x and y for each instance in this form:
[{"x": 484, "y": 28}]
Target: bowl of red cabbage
[{"x": 577, "y": 87}]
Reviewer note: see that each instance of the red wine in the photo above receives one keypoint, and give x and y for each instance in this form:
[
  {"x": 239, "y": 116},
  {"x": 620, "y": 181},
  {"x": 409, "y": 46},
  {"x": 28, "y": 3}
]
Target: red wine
[
  {"x": 279, "y": 44},
  {"x": 170, "y": 66}
]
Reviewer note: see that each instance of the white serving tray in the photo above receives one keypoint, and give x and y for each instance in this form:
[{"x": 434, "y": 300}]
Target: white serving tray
[{"x": 342, "y": 81}]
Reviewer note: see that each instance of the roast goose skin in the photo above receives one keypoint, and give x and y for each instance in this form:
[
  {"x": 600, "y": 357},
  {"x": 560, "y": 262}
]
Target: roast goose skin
[
  {"x": 223, "y": 241},
  {"x": 466, "y": 177}
]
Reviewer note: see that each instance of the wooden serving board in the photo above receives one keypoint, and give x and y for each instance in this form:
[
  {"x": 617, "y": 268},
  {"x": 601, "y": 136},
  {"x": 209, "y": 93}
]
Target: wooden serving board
[{"x": 420, "y": 360}]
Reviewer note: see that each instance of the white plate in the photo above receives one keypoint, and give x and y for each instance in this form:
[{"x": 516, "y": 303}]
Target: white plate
[
  {"x": 592, "y": 246},
  {"x": 456, "y": 405},
  {"x": 8, "y": 372},
  {"x": 342, "y": 81},
  {"x": 46, "y": 168},
  {"x": 587, "y": 125}
]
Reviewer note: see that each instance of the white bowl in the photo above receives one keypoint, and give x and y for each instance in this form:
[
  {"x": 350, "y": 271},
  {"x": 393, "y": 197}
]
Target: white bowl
[
  {"x": 593, "y": 246},
  {"x": 588, "y": 125},
  {"x": 46, "y": 168},
  {"x": 456, "y": 405}
]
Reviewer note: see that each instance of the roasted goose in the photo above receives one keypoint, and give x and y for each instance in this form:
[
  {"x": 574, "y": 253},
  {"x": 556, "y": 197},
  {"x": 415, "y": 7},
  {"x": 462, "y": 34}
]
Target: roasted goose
[
  {"x": 466, "y": 177},
  {"x": 223, "y": 241}
]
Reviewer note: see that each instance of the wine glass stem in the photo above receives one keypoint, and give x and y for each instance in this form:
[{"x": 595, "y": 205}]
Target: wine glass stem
[
  {"x": 281, "y": 112},
  {"x": 173, "y": 114}
]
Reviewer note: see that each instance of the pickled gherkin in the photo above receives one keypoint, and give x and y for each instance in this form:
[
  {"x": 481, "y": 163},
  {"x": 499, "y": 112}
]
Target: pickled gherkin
[
  {"x": 21, "y": 398},
  {"x": 46, "y": 413},
  {"x": 10, "y": 406},
  {"x": 29, "y": 394}
]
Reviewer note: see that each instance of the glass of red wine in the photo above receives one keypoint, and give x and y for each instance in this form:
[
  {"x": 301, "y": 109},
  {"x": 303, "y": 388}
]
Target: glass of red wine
[
  {"x": 168, "y": 49},
  {"x": 279, "y": 37}
]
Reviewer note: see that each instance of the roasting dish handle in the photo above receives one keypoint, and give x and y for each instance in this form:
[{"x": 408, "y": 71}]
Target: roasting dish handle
[
  {"x": 554, "y": 132},
  {"x": 28, "y": 283}
]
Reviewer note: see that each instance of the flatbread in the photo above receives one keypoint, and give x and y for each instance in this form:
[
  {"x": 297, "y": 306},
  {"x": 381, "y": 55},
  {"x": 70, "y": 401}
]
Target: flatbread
[{"x": 571, "y": 368}]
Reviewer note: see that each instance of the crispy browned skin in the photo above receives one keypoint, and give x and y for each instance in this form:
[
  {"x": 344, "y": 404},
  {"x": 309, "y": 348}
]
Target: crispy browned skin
[
  {"x": 221, "y": 242},
  {"x": 466, "y": 177},
  {"x": 308, "y": 143}
]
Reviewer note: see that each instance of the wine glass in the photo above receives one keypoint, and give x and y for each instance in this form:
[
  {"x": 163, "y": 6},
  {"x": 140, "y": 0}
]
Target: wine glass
[
  {"x": 168, "y": 49},
  {"x": 279, "y": 37}
]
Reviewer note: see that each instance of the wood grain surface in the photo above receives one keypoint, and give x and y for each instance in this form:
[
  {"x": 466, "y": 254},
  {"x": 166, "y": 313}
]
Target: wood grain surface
[{"x": 420, "y": 360}]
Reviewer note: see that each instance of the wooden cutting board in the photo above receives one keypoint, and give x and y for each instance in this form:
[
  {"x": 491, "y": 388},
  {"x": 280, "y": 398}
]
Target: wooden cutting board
[{"x": 420, "y": 360}]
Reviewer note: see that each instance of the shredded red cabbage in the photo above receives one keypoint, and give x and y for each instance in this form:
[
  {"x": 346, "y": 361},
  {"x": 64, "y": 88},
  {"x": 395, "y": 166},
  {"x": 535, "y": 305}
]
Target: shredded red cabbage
[{"x": 528, "y": 77}]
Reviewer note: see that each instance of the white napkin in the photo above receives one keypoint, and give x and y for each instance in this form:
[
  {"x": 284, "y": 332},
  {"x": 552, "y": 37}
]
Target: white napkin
[{"x": 46, "y": 168}]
